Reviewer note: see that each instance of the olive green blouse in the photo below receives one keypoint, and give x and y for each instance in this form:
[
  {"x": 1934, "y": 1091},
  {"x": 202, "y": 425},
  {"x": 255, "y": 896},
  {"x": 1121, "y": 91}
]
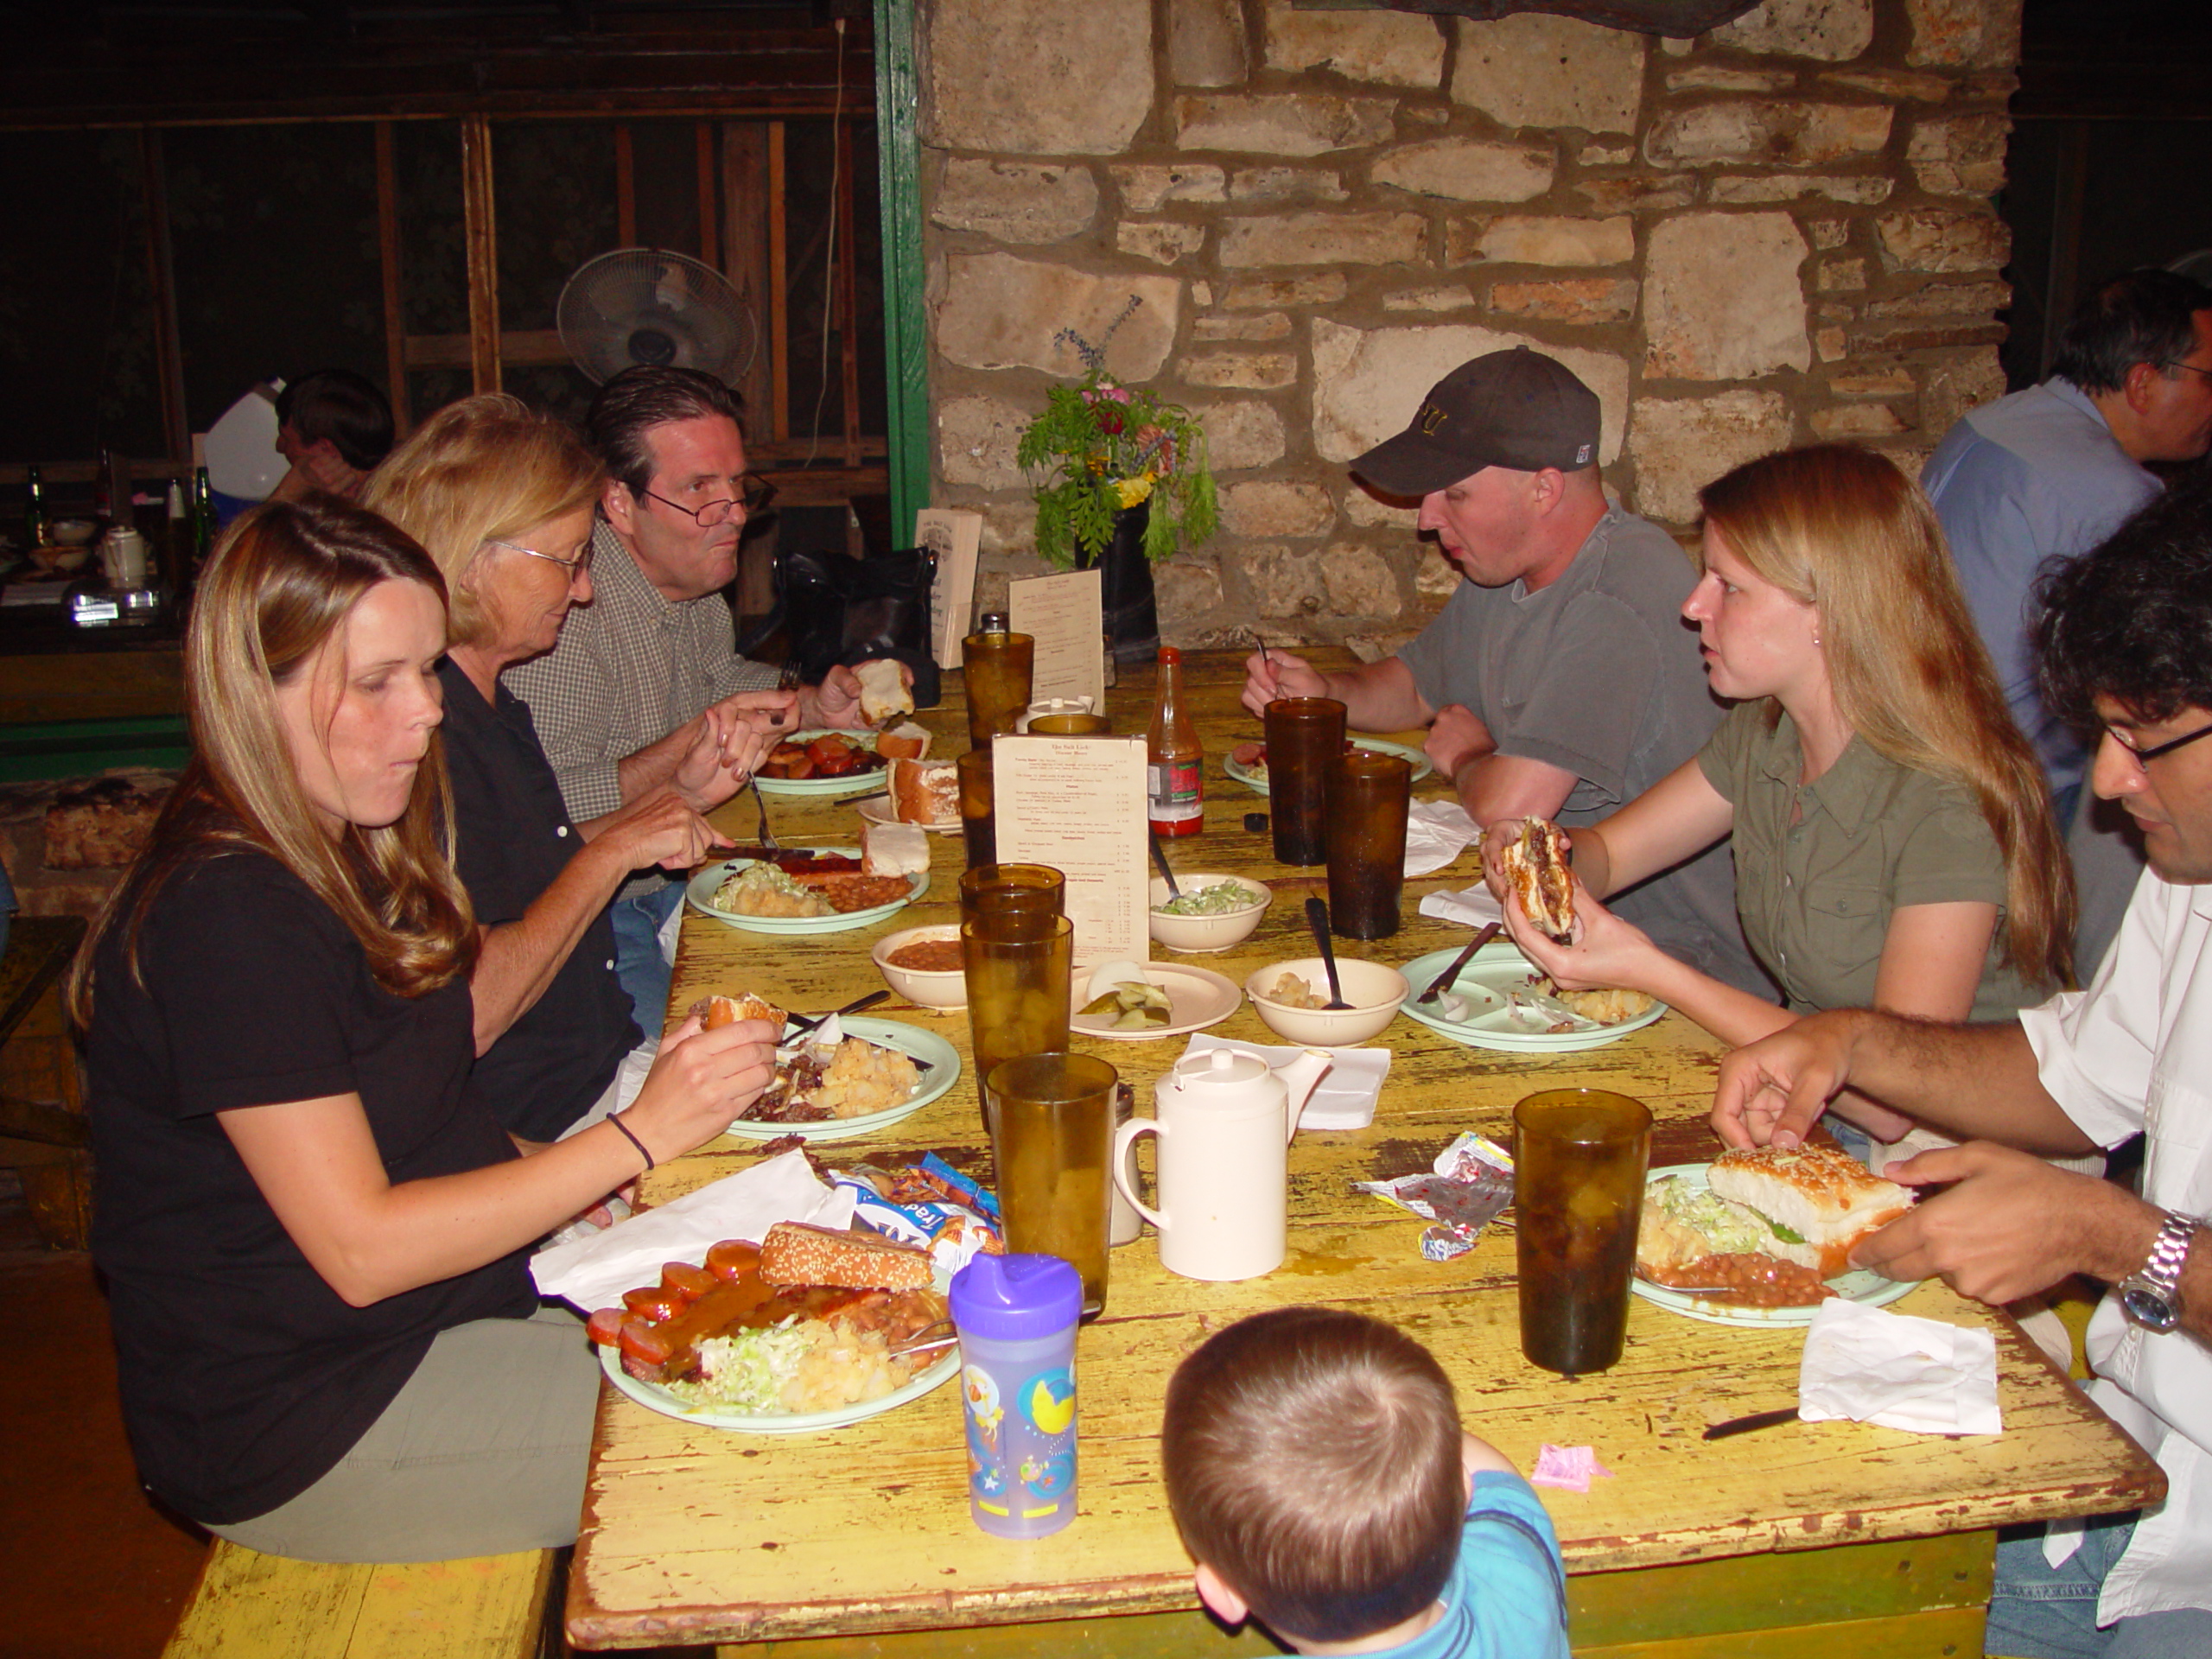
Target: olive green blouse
[{"x": 1815, "y": 895}]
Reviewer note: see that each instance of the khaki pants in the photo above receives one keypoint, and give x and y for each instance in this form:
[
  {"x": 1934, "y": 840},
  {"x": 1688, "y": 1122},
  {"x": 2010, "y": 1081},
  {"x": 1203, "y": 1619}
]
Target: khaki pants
[{"x": 481, "y": 1453}]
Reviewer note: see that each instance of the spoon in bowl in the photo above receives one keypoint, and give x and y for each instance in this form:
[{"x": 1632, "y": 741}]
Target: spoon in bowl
[{"x": 1317, "y": 917}]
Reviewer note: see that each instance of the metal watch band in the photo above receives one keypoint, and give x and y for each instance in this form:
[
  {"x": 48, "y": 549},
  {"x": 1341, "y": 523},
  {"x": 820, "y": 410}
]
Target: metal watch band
[{"x": 2150, "y": 1296}]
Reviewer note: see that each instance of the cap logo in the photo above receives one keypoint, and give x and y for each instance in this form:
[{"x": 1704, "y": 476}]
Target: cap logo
[
  {"x": 1582, "y": 456},
  {"x": 1431, "y": 418}
]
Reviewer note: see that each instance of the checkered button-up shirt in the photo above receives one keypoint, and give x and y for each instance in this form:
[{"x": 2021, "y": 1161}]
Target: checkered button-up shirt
[{"x": 629, "y": 669}]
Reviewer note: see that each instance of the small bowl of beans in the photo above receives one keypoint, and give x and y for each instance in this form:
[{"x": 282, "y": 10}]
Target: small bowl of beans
[{"x": 922, "y": 965}]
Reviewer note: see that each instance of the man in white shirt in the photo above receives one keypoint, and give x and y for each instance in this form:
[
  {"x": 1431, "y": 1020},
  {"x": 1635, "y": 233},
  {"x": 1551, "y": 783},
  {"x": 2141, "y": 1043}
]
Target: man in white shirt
[{"x": 2127, "y": 648}]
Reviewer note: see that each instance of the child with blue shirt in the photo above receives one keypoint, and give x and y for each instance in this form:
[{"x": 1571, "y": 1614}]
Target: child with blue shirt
[{"x": 1318, "y": 1473}]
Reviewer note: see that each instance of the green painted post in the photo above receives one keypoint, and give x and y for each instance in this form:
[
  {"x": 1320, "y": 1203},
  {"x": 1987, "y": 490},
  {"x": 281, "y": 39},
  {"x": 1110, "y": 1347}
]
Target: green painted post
[{"x": 906, "y": 340}]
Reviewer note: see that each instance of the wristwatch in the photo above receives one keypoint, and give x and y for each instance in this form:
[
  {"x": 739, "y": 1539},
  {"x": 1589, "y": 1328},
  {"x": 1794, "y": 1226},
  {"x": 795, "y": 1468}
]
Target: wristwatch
[{"x": 2151, "y": 1296}]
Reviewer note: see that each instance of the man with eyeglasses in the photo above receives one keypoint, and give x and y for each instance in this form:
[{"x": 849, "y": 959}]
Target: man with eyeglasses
[
  {"x": 645, "y": 680},
  {"x": 2125, "y": 641},
  {"x": 2051, "y": 471}
]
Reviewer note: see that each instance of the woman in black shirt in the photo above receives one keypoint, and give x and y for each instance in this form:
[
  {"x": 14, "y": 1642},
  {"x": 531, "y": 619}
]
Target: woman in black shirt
[
  {"x": 313, "y": 1243},
  {"x": 502, "y": 498}
]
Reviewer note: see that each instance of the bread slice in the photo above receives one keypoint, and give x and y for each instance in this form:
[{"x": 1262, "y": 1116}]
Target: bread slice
[
  {"x": 924, "y": 792},
  {"x": 716, "y": 1011},
  {"x": 1826, "y": 1197},
  {"x": 893, "y": 849},
  {"x": 798, "y": 1253},
  {"x": 903, "y": 742},
  {"x": 884, "y": 695}
]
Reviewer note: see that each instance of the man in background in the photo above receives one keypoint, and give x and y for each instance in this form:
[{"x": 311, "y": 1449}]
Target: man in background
[
  {"x": 2051, "y": 472},
  {"x": 334, "y": 428}
]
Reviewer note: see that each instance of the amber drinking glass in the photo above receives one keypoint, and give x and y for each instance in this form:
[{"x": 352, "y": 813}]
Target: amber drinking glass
[
  {"x": 1578, "y": 1159},
  {"x": 979, "y": 826},
  {"x": 1008, "y": 898},
  {"x": 1368, "y": 798},
  {"x": 1052, "y": 1129},
  {"x": 998, "y": 669},
  {"x": 1304, "y": 735},
  {"x": 1017, "y": 988}
]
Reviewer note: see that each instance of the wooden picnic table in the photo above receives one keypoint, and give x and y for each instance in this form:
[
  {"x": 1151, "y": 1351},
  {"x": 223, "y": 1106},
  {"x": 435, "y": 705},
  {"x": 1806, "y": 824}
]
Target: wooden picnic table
[{"x": 1855, "y": 1540}]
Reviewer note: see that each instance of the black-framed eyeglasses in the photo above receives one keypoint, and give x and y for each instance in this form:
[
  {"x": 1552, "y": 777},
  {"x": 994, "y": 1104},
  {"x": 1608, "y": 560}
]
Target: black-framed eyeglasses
[
  {"x": 757, "y": 494},
  {"x": 2145, "y": 757},
  {"x": 577, "y": 568},
  {"x": 2176, "y": 362}
]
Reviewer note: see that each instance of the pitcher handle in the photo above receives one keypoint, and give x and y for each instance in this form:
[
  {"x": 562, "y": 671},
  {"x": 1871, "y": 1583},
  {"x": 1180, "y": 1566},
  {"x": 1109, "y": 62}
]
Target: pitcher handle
[{"x": 1125, "y": 1138}]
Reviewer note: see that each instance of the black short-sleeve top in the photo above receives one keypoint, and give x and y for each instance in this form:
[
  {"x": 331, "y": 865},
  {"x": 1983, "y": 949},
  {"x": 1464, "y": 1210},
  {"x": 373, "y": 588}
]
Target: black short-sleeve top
[
  {"x": 244, "y": 1376},
  {"x": 513, "y": 838}
]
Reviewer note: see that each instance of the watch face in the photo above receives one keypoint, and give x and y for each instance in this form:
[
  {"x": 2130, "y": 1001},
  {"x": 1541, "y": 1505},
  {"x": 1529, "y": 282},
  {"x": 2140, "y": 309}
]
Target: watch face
[{"x": 2147, "y": 1308}]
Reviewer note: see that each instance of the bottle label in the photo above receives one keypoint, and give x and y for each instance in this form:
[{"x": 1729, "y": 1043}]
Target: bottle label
[{"x": 1176, "y": 789}]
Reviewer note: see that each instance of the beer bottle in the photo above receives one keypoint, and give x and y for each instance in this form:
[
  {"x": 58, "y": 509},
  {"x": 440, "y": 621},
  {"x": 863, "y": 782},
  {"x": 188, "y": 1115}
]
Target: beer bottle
[
  {"x": 176, "y": 541},
  {"x": 203, "y": 519},
  {"x": 1174, "y": 760},
  {"x": 35, "y": 512}
]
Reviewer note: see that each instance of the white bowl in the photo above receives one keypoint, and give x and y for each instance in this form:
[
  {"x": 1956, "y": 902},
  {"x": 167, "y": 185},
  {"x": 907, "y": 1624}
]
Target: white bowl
[
  {"x": 71, "y": 532},
  {"x": 1203, "y": 935},
  {"x": 1374, "y": 990},
  {"x": 944, "y": 989}
]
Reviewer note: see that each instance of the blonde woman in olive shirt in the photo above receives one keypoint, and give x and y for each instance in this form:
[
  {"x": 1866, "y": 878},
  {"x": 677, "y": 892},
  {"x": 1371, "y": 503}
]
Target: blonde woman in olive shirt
[{"x": 1893, "y": 836}]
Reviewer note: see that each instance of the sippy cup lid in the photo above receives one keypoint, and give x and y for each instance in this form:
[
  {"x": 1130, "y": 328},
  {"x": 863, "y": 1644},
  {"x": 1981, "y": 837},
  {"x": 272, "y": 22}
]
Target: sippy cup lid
[{"x": 1015, "y": 1297}]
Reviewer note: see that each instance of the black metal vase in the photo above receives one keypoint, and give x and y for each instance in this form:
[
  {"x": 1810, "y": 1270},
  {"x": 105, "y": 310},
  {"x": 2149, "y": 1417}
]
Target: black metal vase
[{"x": 1132, "y": 612}]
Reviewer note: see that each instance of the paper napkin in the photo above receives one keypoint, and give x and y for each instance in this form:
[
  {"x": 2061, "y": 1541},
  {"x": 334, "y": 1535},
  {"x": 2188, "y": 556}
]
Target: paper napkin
[
  {"x": 1343, "y": 1099},
  {"x": 1473, "y": 907},
  {"x": 594, "y": 1272},
  {"x": 1436, "y": 833},
  {"x": 1899, "y": 1371}
]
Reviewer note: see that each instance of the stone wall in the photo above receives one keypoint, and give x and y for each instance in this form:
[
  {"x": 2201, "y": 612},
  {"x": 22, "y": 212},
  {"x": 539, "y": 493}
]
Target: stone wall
[{"x": 1778, "y": 233}]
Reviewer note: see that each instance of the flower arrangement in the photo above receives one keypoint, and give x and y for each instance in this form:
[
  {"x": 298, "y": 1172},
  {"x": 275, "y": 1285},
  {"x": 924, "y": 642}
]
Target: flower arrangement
[{"x": 1100, "y": 448}]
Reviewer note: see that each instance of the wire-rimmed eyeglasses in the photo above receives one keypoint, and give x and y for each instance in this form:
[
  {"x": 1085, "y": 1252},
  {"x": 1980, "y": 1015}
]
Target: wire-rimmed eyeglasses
[
  {"x": 757, "y": 493},
  {"x": 578, "y": 568},
  {"x": 2176, "y": 362},
  {"x": 2144, "y": 757}
]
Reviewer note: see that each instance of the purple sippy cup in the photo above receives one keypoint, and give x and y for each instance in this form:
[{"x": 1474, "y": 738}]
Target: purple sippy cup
[{"x": 1016, "y": 1315}]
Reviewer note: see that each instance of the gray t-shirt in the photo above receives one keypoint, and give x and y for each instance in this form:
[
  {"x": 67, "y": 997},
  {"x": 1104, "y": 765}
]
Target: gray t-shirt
[{"x": 1598, "y": 674}]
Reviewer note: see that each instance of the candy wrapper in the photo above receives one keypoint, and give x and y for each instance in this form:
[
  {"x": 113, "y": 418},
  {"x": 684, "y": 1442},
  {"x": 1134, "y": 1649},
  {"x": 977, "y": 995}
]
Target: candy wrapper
[
  {"x": 1473, "y": 1181},
  {"x": 931, "y": 1205}
]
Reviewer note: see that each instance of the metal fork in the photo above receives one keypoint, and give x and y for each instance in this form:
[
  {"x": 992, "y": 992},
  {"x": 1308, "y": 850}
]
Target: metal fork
[{"x": 786, "y": 680}]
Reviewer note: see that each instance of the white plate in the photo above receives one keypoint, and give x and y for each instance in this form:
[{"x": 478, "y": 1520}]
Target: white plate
[
  {"x": 944, "y": 1070},
  {"x": 1258, "y": 780},
  {"x": 700, "y": 893},
  {"x": 653, "y": 1397},
  {"x": 1197, "y": 998},
  {"x": 1867, "y": 1289},
  {"x": 1491, "y": 1022},
  {"x": 855, "y": 783},
  {"x": 880, "y": 812}
]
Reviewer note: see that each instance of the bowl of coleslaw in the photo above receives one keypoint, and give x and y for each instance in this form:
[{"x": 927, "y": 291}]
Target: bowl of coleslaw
[{"x": 1215, "y": 911}]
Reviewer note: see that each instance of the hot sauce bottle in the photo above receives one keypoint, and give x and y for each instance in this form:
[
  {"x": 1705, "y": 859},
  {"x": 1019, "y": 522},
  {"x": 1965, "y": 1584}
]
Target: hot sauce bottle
[{"x": 1174, "y": 761}]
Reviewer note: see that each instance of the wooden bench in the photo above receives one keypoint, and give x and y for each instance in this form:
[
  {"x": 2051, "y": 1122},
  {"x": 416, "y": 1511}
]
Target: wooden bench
[
  {"x": 42, "y": 1128},
  {"x": 248, "y": 1606}
]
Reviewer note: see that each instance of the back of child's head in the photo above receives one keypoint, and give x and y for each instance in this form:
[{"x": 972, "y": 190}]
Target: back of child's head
[{"x": 1313, "y": 1459}]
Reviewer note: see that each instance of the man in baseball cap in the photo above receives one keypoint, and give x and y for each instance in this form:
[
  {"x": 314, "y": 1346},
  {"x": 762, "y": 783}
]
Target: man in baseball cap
[{"x": 1560, "y": 680}]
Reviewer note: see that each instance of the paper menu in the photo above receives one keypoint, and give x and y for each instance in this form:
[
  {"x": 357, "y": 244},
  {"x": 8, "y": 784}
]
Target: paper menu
[
  {"x": 1064, "y": 614},
  {"x": 1077, "y": 804},
  {"x": 955, "y": 537}
]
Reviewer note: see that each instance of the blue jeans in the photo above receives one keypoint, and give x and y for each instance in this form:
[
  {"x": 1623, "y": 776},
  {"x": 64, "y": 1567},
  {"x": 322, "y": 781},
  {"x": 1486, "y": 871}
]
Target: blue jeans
[
  {"x": 644, "y": 972},
  {"x": 2039, "y": 1611}
]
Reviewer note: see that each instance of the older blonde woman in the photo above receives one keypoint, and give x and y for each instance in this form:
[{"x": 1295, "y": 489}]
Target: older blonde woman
[{"x": 502, "y": 498}]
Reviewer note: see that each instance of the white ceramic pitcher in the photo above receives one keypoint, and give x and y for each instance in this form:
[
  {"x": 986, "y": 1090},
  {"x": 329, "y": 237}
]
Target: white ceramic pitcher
[{"x": 1225, "y": 1122}]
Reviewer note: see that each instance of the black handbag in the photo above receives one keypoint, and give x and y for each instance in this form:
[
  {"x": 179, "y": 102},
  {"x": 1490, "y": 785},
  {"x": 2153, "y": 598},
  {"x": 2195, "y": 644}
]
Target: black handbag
[{"x": 833, "y": 608}]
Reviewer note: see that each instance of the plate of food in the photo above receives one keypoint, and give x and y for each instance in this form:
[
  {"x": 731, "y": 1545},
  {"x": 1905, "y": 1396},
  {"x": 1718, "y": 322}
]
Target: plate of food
[
  {"x": 1135, "y": 1002},
  {"x": 820, "y": 761},
  {"x": 1501, "y": 1000},
  {"x": 1763, "y": 1237},
  {"x": 797, "y": 1334},
  {"x": 875, "y": 1073},
  {"x": 761, "y": 897},
  {"x": 1248, "y": 762}
]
